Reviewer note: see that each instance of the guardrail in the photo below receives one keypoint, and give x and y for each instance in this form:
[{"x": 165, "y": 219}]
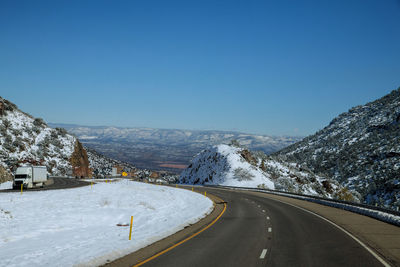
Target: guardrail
[{"x": 382, "y": 214}]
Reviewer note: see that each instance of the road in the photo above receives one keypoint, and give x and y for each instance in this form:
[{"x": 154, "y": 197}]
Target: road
[
  {"x": 257, "y": 231},
  {"x": 59, "y": 183}
]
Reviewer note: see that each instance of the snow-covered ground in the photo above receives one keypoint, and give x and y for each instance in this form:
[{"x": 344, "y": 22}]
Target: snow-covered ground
[
  {"x": 6, "y": 185},
  {"x": 79, "y": 226}
]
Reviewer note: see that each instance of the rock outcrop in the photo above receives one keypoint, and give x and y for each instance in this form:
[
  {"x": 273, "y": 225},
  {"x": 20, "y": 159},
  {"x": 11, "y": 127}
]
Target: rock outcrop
[
  {"x": 80, "y": 162},
  {"x": 5, "y": 175}
]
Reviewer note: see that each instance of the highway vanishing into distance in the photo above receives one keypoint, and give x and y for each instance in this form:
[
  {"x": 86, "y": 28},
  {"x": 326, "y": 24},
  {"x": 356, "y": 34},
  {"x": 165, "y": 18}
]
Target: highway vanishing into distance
[{"x": 259, "y": 231}]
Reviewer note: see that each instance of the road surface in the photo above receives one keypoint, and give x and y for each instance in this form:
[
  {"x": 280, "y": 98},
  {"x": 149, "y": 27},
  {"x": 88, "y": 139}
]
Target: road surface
[
  {"x": 59, "y": 183},
  {"x": 257, "y": 231}
]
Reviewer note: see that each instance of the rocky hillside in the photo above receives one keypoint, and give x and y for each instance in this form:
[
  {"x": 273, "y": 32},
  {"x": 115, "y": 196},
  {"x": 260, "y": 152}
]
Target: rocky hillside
[
  {"x": 360, "y": 149},
  {"x": 236, "y": 166},
  {"x": 28, "y": 140},
  {"x": 102, "y": 166}
]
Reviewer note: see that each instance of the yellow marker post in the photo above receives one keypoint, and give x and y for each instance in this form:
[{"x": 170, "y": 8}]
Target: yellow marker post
[
  {"x": 130, "y": 228},
  {"x": 192, "y": 188},
  {"x": 22, "y": 186},
  {"x": 176, "y": 185},
  {"x": 205, "y": 193}
]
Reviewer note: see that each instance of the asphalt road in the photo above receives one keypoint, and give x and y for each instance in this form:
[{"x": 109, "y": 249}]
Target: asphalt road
[
  {"x": 257, "y": 231},
  {"x": 59, "y": 183}
]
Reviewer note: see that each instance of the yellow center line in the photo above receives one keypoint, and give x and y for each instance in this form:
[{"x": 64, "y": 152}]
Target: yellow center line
[{"x": 183, "y": 241}]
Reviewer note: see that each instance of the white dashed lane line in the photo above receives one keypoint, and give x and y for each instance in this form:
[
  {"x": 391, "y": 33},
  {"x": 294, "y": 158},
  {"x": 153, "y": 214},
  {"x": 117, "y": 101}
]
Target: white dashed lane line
[
  {"x": 269, "y": 229},
  {"x": 263, "y": 253},
  {"x": 267, "y": 218}
]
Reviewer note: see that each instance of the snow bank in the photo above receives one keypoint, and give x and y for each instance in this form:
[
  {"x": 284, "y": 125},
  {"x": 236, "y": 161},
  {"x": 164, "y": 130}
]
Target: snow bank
[
  {"x": 79, "y": 226},
  {"x": 6, "y": 185}
]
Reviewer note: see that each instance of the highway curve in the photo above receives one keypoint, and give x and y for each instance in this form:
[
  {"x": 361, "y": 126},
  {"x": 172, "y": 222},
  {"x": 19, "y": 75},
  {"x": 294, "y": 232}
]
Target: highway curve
[
  {"x": 59, "y": 183},
  {"x": 258, "y": 231}
]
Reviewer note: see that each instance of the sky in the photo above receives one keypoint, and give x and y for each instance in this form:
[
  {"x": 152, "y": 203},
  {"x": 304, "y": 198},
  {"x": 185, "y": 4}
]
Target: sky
[{"x": 266, "y": 67}]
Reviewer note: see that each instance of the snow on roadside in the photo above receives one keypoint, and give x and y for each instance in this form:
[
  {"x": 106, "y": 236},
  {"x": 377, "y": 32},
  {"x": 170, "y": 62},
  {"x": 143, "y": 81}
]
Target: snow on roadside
[
  {"x": 79, "y": 226},
  {"x": 6, "y": 185}
]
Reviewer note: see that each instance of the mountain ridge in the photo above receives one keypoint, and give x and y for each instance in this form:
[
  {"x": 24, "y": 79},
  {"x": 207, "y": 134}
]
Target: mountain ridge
[{"x": 359, "y": 148}]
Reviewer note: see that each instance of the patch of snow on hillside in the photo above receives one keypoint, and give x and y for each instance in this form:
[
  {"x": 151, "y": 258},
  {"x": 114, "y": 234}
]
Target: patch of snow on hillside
[
  {"x": 79, "y": 226},
  {"x": 224, "y": 165}
]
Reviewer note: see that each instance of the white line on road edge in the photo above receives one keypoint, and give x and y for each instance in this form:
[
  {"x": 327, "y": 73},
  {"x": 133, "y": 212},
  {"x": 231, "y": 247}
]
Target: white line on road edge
[
  {"x": 263, "y": 210},
  {"x": 344, "y": 230},
  {"x": 269, "y": 229},
  {"x": 263, "y": 253}
]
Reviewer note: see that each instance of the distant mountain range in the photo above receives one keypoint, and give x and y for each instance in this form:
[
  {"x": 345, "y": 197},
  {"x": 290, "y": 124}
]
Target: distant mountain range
[{"x": 165, "y": 149}]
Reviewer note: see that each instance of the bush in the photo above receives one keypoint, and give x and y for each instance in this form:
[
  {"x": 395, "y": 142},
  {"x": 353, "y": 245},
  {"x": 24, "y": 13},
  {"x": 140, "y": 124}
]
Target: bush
[
  {"x": 8, "y": 139},
  {"x": 36, "y": 129},
  {"x": 39, "y": 122},
  {"x": 18, "y": 143},
  {"x": 57, "y": 143},
  {"x": 28, "y": 131},
  {"x": 8, "y": 144},
  {"x": 61, "y": 131},
  {"x": 16, "y": 132},
  {"x": 9, "y": 106},
  {"x": 44, "y": 143},
  {"x": 6, "y": 123},
  {"x": 243, "y": 174},
  {"x": 54, "y": 134},
  {"x": 3, "y": 130},
  {"x": 345, "y": 195}
]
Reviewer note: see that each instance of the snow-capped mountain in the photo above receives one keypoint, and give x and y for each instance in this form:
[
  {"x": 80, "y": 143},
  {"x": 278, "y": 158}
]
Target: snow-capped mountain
[
  {"x": 28, "y": 140},
  {"x": 360, "y": 149},
  {"x": 236, "y": 166}
]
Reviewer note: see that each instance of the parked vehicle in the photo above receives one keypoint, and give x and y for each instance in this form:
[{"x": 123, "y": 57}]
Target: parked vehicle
[{"x": 30, "y": 177}]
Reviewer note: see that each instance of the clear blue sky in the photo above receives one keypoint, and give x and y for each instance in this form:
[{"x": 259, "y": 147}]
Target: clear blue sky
[{"x": 269, "y": 67}]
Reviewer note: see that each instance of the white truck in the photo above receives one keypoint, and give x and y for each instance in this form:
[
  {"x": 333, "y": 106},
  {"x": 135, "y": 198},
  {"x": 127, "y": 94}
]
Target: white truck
[{"x": 30, "y": 176}]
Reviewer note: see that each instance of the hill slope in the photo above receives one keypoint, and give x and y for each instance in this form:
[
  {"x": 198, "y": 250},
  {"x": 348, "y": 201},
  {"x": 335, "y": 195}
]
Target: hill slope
[
  {"x": 236, "y": 166},
  {"x": 25, "y": 139},
  {"x": 360, "y": 149}
]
